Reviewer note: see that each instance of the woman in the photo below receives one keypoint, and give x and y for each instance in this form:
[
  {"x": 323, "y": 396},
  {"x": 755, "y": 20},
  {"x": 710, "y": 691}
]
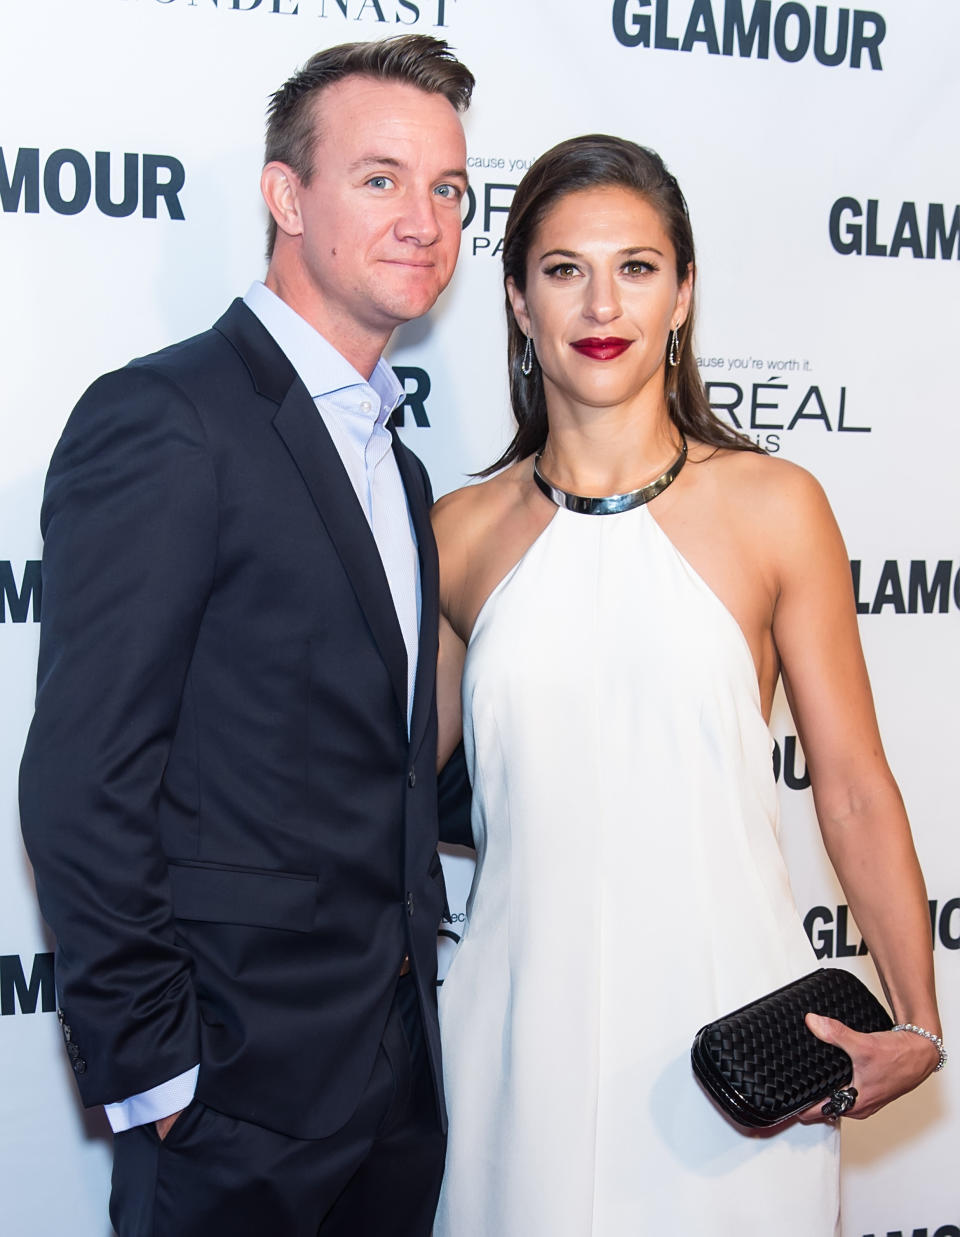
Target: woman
[{"x": 621, "y": 659}]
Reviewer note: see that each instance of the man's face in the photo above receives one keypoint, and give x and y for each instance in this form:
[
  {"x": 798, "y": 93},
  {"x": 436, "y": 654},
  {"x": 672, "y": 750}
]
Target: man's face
[{"x": 379, "y": 223}]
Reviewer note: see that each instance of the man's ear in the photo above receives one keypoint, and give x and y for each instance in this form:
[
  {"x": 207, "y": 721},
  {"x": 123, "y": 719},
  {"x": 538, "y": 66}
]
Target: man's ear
[
  {"x": 280, "y": 187},
  {"x": 518, "y": 303}
]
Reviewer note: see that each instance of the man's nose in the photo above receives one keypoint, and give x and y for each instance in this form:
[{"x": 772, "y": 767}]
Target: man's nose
[{"x": 418, "y": 220}]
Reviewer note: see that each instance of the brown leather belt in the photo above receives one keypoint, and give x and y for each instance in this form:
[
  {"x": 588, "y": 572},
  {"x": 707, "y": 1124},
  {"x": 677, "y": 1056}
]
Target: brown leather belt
[{"x": 405, "y": 965}]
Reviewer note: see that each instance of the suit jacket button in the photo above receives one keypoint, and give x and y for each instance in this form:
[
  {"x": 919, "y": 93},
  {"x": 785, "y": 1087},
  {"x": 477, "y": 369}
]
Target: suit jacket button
[
  {"x": 412, "y": 778},
  {"x": 80, "y": 1066},
  {"x": 409, "y": 903}
]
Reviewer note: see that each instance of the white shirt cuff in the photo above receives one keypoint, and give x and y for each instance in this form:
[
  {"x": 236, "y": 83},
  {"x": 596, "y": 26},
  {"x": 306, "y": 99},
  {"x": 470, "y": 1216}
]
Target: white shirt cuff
[{"x": 153, "y": 1105}]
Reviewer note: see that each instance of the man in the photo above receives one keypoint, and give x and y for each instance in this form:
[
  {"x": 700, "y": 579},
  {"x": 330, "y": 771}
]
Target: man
[{"x": 228, "y": 790}]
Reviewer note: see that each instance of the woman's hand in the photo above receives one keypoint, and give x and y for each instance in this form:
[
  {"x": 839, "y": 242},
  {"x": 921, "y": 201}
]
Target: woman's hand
[{"x": 886, "y": 1064}]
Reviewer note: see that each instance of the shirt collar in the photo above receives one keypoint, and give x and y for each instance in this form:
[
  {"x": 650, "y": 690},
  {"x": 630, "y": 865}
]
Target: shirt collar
[{"x": 319, "y": 366}]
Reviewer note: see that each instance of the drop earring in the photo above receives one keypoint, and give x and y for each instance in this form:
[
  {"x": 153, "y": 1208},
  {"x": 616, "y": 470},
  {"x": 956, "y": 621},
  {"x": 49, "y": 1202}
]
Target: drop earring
[
  {"x": 526, "y": 365},
  {"x": 674, "y": 355}
]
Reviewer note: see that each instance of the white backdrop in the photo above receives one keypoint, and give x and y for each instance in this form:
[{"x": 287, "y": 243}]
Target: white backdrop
[{"x": 842, "y": 361}]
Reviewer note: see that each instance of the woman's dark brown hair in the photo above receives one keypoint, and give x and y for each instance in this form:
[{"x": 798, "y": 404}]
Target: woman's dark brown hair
[{"x": 592, "y": 162}]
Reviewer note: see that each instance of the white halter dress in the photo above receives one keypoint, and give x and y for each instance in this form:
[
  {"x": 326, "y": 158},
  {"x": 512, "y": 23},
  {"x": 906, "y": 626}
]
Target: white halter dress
[{"x": 629, "y": 888}]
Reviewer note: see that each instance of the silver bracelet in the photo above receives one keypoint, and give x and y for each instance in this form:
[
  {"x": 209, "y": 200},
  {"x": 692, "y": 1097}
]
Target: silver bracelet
[{"x": 934, "y": 1039}]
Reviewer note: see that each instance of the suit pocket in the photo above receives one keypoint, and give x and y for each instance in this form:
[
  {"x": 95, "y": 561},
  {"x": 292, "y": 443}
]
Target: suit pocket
[
  {"x": 212, "y": 893},
  {"x": 182, "y": 1127}
]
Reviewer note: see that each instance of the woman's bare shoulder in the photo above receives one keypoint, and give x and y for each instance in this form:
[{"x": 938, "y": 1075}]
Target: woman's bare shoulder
[
  {"x": 761, "y": 485},
  {"x": 466, "y": 514}
]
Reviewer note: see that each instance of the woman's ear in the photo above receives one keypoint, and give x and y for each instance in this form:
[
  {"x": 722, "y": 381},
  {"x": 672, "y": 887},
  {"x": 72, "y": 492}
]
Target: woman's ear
[
  {"x": 518, "y": 303},
  {"x": 684, "y": 295}
]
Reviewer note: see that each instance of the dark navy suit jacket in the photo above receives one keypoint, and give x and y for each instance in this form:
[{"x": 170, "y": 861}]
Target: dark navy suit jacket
[{"x": 233, "y": 836}]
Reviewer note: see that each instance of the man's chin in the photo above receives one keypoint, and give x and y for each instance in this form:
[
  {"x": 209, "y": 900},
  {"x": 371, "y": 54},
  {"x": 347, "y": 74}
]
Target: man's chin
[{"x": 412, "y": 298}]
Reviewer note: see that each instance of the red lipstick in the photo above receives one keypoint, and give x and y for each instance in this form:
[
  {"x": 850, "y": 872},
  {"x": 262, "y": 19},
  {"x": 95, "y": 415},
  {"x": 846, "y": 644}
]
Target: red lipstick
[{"x": 602, "y": 349}]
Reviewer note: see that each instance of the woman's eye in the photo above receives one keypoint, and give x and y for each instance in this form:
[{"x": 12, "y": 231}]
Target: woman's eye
[
  {"x": 637, "y": 268},
  {"x": 563, "y": 270}
]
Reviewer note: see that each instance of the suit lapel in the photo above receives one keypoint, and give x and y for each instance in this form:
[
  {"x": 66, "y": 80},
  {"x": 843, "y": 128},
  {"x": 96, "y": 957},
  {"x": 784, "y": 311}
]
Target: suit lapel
[
  {"x": 306, "y": 438},
  {"x": 423, "y": 695}
]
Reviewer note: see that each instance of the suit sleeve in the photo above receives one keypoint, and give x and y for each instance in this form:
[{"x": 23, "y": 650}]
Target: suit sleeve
[
  {"x": 454, "y": 794},
  {"x": 130, "y": 533}
]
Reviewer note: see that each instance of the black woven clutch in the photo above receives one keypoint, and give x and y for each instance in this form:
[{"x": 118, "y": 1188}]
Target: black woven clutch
[{"x": 762, "y": 1065}]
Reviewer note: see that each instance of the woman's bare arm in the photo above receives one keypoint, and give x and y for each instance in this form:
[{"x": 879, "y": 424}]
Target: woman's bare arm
[
  {"x": 451, "y": 526},
  {"x": 861, "y": 813},
  {"x": 449, "y": 673}
]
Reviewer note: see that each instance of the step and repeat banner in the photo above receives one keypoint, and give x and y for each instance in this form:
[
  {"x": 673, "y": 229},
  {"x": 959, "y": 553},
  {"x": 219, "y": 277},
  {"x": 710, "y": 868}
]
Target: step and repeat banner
[{"x": 817, "y": 148}]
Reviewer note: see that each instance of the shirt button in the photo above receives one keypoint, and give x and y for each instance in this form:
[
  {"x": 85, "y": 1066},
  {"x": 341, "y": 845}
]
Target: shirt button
[
  {"x": 365, "y": 405},
  {"x": 412, "y": 778}
]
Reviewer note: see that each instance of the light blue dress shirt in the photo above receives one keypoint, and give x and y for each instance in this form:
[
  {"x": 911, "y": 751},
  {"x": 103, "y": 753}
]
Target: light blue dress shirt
[{"x": 355, "y": 412}]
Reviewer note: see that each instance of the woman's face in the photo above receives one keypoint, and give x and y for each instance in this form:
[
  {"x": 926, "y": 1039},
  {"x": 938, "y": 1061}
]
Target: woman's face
[{"x": 602, "y": 296}]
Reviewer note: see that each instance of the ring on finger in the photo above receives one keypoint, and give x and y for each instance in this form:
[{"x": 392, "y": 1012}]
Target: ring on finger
[{"x": 840, "y": 1103}]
